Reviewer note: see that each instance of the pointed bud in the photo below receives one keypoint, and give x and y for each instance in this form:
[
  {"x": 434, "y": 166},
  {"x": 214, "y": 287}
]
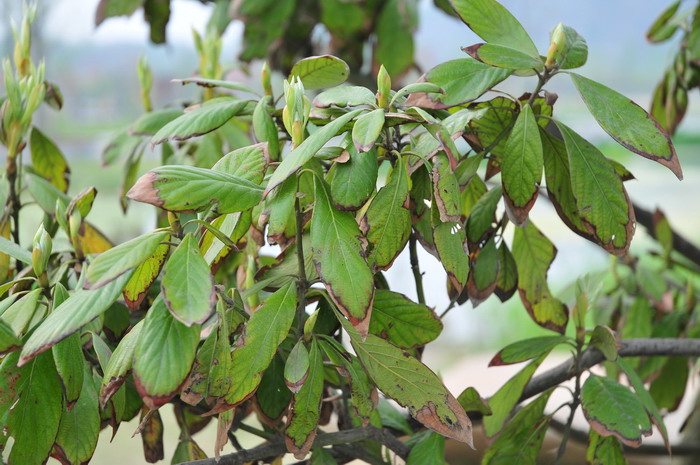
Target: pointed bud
[
  {"x": 558, "y": 42},
  {"x": 383, "y": 87},
  {"x": 265, "y": 76},
  {"x": 42, "y": 251}
]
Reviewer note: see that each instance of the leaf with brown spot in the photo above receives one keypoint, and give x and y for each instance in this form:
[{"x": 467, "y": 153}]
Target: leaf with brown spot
[
  {"x": 483, "y": 273},
  {"x": 152, "y": 435},
  {"x": 144, "y": 276},
  {"x": 507, "y": 282},
  {"x": 48, "y": 161},
  {"x": 446, "y": 193}
]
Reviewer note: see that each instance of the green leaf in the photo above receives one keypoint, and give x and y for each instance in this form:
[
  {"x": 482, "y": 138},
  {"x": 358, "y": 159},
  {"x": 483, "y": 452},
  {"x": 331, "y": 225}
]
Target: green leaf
[
  {"x": 233, "y": 226},
  {"x": 601, "y": 198},
  {"x": 603, "y": 339},
  {"x": 306, "y": 407},
  {"x": 367, "y": 129},
  {"x": 80, "y": 427},
  {"x": 504, "y": 57},
  {"x": 113, "y": 263},
  {"x": 483, "y": 215},
  {"x": 506, "y": 398},
  {"x": 144, "y": 276},
  {"x": 8, "y": 340},
  {"x": 163, "y": 355},
  {"x": 669, "y": 387},
  {"x": 48, "y": 161},
  {"x": 152, "y": 435},
  {"x": 394, "y": 29},
  {"x": 267, "y": 328},
  {"x": 392, "y": 418},
  {"x": 471, "y": 401},
  {"x": 527, "y": 349},
  {"x": 265, "y": 128},
  {"x": 296, "y": 370},
  {"x": 446, "y": 193},
  {"x": 187, "y": 285},
  {"x": 187, "y": 450},
  {"x": 307, "y": 149},
  {"x": 189, "y": 189},
  {"x": 664, "y": 26},
  {"x": 15, "y": 251},
  {"x": 70, "y": 365},
  {"x": 339, "y": 259},
  {"x": 410, "y": 383},
  {"x": 344, "y": 96},
  {"x": 247, "y": 163},
  {"x": 109, "y": 8},
  {"x": 34, "y": 420},
  {"x": 533, "y": 254},
  {"x": 210, "y": 83},
  {"x": 449, "y": 241},
  {"x": 628, "y": 123},
  {"x": 612, "y": 409},
  {"x": 463, "y": 80},
  {"x": 493, "y": 23},
  {"x": 150, "y": 123},
  {"x": 507, "y": 282},
  {"x": 483, "y": 275},
  {"x": 387, "y": 222},
  {"x": 45, "y": 193},
  {"x": 200, "y": 120},
  {"x": 604, "y": 450},
  {"x": 428, "y": 450},
  {"x": 575, "y": 51},
  {"x": 321, "y": 71},
  {"x": 272, "y": 397},
  {"x": 353, "y": 182},
  {"x": 319, "y": 455},
  {"x": 426, "y": 87},
  {"x": 122, "y": 145},
  {"x": 119, "y": 364},
  {"x": 522, "y": 166},
  {"x": 21, "y": 313},
  {"x": 402, "y": 322},
  {"x": 80, "y": 308},
  {"x": 82, "y": 202}
]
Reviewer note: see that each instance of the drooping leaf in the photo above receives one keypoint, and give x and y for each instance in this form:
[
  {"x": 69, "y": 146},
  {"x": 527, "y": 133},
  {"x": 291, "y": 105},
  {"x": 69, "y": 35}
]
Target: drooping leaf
[
  {"x": 353, "y": 182},
  {"x": 305, "y": 409},
  {"x": 19, "y": 316},
  {"x": 604, "y": 450},
  {"x": 665, "y": 24},
  {"x": 109, "y": 8},
  {"x": 483, "y": 215},
  {"x": 70, "y": 366},
  {"x": 152, "y": 435},
  {"x": 446, "y": 193},
  {"x": 233, "y": 226},
  {"x": 612, "y": 409},
  {"x": 493, "y": 23},
  {"x": 150, "y": 123},
  {"x": 8, "y": 340},
  {"x": 144, "y": 276},
  {"x": 187, "y": 285},
  {"x": 603, "y": 339},
  {"x": 248, "y": 163},
  {"x": 669, "y": 387},
  {"x": 601, "y": 198},
  {"x": 296, "y": 370},
  {"x": 449, "y": 241},
  {"x": 163, "y": 355},
  {"x": 387, "y": 222},
  {"x": 119, "y": 364},
  {"x": 506, "y": 398},
  {"x": 628, "y": 123},
  {"x": 366, "y": 130},
  {"x": 45, "y": 193},
  {"x": 200, "y": 120},
  {"x": 339, "y": 259},
  {"x": 344, "y": 96},
  {"x": 79, "y": 429},
  {"x": 319, "y": 455},
  {"x": 189, "y": 189},
  {"x": 48, "y": 161},
  {"x": 533, "y": 254},
  {"x": 272, "y": 396},
  {"x": 428, "y": 449},
  {"x": 307, "y": 149},
  {"x": 522, "y": 166},
  {"x": 483, "y": 273},
  {"x": 395, "y": 25},
  {"x": 504, "y": 57},
  {"x": 527, "y": 349},
  {"x": 471, "y": 401},
  {"x": 15, "y": 251},
  {"x": 264, "y": 332},
  {"x": 507, "y": 282},
  {"x": 113, "y": 263},
  {"x": 463, "y": 80},
  {"x": 402, "y": 322},
  {"x": 265, "y": 128},
  {"x": 210, "y": 83},
  {"x": 321, "y": 71}
]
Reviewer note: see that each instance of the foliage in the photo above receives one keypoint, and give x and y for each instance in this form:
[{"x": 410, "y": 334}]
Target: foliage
[{"x": 342, "y": 183}]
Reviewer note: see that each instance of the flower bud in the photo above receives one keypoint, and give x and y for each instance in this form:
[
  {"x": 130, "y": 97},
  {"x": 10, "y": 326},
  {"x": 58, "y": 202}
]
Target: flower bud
[
  {"x": 146, "y": 81},
  {"x": 383, "y": 87},
  {"x": 558, "y": 42},
  {"x": 265, "y": 76},
  {"x": 42, "y": 251}
]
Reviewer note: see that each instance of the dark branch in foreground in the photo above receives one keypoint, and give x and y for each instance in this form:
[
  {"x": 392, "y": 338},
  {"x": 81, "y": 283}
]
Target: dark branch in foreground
[
  {"x": 680, "y": 243},
  {"x": 276, "y": 447}
]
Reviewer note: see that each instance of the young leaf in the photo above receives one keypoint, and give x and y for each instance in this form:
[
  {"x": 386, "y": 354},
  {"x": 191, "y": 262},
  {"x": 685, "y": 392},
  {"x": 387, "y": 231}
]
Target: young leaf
[
  {"x": 144, "y": 276},
  {"x": 187, "y": 285},
  {"x": 353, "y": 182},
  {"x": 15, "y": 251},
  {"x": 265, "y": 128},
  {"x": 189, "y": 189},
  {"x": 628, "y": 123},
  {"x": 339, "y": 259},
  {"x": 345, "y": 96},
  {"x": 367, "y": 129},
  {"x": 471, "y": 401},
  {"x": 601, "y": 198},
  {"x": 321, "y": 71},
  {"x": 150, "y": 123},
  {"x": 612, "y": 409},
  {"x": 8, "y": 340},
  {"x": 527, "y": 349},
  {"x": 402, "y": 322},
  {"x": 533, "y": 254},
  {"x": 80, "y": 427},
  {"x": 113, "y": 263},
  {"x": 200, "y": 120},
  {"x": 119, "y": 364},
  {"x": 163, "y": 355},
  {"x": 506, "y": 398},
  {"x": 504, "y": 57},
  {"x": 48, "y": 161},
  {"x": 575, "y": 51},
  {"x": 307, "y": 149},
  {"x": 248, "y": 163},
  {"x": 387, "y": 222},
  {"x": 296, "y": 370},
  {"x": 665, "y": 25},
  {"x": 305, "y": 410},
  {"x": 70, "y": 365},
  {"x": 267, "y": 328},
  {"x": 21, "y": 313},
  {"x": 493, "y": 23},
  {"x": 463, "y": 80},
  {"x": 522, "y": 166},
  {"x": 603, "y": 339}
]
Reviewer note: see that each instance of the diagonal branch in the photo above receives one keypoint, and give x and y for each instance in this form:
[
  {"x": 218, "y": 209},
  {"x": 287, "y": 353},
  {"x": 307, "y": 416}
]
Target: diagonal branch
[
  {"x": 276, "y": 447},
  {"x": 680, "y": 244}
]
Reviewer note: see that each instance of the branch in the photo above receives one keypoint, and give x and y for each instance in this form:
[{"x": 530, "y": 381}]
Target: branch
[
  {"x": 627, "y": 348},
  {"x": 680, "y": 243},
  {"x": 276, "y": 447}
]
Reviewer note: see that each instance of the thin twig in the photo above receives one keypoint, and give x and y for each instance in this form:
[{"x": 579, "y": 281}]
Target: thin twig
[
  {"x": 680, "y": 244},
  {"x": 415, "y": 267},
  {"x": 575, "y": 401}
]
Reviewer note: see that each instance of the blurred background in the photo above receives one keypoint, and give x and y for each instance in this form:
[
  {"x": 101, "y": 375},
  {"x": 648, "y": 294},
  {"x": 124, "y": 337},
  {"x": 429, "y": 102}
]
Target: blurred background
[{"x": 96, "y": 70}]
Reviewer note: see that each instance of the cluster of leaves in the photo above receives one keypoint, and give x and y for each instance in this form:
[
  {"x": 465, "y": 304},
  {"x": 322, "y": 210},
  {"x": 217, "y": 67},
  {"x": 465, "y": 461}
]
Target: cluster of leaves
[
  {"x": 195, "y": 315},
  {"x": 670, "y": 100}
]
